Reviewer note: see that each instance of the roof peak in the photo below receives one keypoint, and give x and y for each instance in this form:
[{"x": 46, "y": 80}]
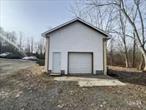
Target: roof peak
[{"x": 71, "y": 21}]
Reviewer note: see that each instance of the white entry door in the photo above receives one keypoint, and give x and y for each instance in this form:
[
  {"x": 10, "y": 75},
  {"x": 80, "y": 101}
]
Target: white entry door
[
  {"x": 56, "y": 62},
  {"x": 80, "y": 63}
]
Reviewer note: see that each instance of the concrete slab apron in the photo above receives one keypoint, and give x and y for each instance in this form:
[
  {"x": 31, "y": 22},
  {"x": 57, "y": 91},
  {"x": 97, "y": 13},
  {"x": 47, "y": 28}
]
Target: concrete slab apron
[{"x": 91, "y": 82}]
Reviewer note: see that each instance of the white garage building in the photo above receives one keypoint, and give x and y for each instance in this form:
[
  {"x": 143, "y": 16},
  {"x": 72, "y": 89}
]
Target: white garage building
[{"x": 75, "y": 47}]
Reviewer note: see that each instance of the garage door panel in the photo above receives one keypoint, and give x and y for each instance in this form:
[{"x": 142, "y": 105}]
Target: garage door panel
[{"x": 80, "y": 63}]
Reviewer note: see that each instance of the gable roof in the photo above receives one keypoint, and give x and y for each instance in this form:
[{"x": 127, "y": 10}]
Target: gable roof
[{"x": 72, "y": 21}]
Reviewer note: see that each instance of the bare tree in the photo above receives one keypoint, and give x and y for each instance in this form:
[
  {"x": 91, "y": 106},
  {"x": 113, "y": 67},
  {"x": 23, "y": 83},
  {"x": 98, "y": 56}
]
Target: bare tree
[
  {"x": 123, "y": 38},
  {"x": 125, "y": 8},
  {"x": 111, "y": 51},
  {"x": 1, "y": 31},
  {"x": 101, "y": 17},
  {"x": 27, "y": 49},
  {"x": 40, "y": 46},
  {"x": 134, "y": 51},
  {"x": 32, "y": 45},
  {"x": 20, "y": 39}
]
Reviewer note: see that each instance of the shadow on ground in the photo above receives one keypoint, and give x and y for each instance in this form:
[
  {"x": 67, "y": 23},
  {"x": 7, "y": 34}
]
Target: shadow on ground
[
  {"x": 88, "y": 76},
  {"x": 128, "y": 76}
]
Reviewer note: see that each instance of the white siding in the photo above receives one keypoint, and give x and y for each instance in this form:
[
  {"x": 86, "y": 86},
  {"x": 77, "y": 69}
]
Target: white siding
[{"x": 76, "y": 37}]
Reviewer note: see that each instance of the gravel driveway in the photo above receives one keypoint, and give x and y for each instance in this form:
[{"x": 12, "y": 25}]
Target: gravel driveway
[{"x": 9, "y": 66}]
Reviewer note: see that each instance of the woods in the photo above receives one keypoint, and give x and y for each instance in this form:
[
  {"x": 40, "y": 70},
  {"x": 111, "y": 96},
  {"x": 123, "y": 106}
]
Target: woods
[
  {"x": 124, "y": 21},
  {"x": 17, "y": 43}
]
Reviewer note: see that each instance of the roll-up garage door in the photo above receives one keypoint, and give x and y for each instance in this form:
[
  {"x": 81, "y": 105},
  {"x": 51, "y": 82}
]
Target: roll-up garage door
[{"x": 80, "y": 63}]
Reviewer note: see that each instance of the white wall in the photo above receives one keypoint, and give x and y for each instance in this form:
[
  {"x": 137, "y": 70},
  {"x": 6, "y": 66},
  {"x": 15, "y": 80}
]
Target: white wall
[{"x": 76, "y": 37}]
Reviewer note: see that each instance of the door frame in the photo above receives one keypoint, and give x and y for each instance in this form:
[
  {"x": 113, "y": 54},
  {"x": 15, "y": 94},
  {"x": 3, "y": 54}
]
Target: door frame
[{"x": 92, "y": 63}]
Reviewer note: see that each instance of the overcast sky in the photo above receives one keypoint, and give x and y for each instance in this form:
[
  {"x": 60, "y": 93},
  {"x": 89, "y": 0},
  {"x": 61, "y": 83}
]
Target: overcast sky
[{"x": 32, "y": 17}]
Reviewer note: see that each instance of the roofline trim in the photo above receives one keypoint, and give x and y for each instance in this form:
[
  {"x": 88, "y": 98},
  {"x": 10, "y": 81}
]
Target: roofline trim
[{"x": 71, "y": 21}]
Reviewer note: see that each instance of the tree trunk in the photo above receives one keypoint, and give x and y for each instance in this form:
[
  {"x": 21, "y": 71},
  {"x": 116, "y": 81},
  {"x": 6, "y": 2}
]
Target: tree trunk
[
  {"x": 141, "y": 63},
  {"x": 126, "y": 60},
  {"x": 111, "y": 53},
  {"x": 133, "y": 53},
  {"x": 144, "y": 56},
  {"x": 126, "y": 54}
]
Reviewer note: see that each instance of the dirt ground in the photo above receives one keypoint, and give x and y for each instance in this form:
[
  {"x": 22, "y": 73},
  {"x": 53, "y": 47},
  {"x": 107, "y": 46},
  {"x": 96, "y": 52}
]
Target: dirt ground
[
  {"x": 27, "y": 89},
  {"x": 9, "y": 66}
]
